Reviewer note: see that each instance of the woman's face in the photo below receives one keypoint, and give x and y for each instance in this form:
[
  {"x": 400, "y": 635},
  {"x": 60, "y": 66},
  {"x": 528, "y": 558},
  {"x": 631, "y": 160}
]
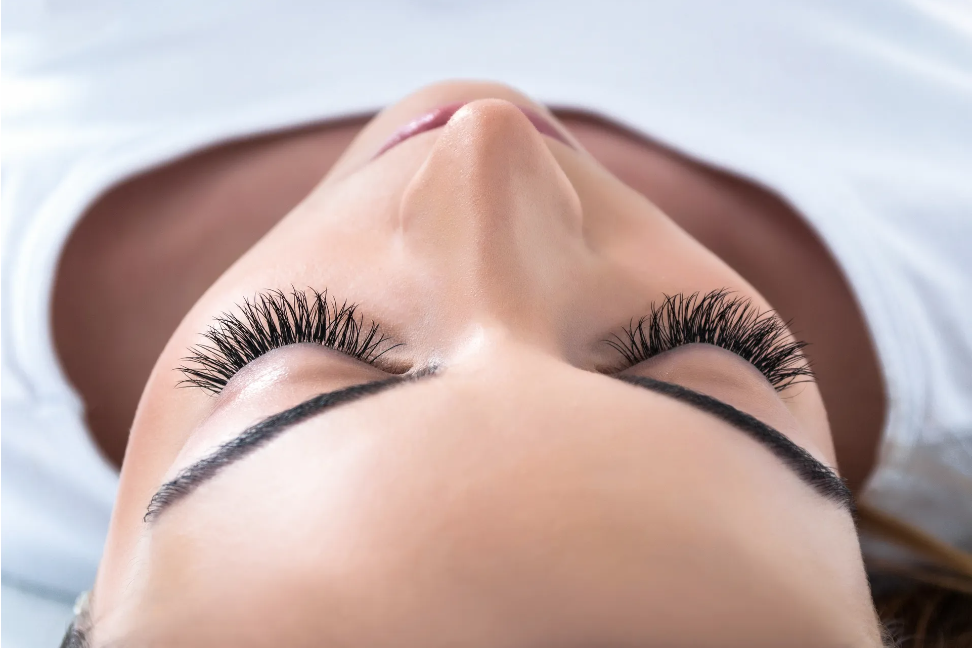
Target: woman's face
[{"x": 523, "y": 482}]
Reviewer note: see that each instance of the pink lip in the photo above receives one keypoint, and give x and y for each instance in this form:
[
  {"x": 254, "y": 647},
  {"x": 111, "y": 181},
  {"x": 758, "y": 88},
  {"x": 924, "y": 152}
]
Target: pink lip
[{"x": 439, "y": 116}]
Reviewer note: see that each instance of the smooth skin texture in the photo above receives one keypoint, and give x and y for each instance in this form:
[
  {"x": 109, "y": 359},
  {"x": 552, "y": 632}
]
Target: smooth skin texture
[
  {"x": 518, "y": 498},
  {"x": 150, "y": 247}
]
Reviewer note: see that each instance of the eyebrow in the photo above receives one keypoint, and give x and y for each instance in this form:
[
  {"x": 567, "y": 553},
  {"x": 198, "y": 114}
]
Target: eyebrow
[
  {"x": 820, "y": 478},
  {"x": 259, "y": 434}
]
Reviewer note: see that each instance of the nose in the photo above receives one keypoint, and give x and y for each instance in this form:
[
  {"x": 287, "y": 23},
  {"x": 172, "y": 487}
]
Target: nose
[{"x": 491, "y": 207}]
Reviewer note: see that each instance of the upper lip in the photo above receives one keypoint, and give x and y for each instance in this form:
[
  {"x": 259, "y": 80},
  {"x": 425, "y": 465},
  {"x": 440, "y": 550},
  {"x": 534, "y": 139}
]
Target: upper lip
[{"x": 438, "y": 117}]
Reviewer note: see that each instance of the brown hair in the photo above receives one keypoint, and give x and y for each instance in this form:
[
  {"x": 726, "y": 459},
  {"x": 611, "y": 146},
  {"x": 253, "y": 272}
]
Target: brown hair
[{"x": 925, "y": 603}]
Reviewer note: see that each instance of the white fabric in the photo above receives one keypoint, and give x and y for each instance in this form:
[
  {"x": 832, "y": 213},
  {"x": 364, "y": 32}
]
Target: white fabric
[
  {"x": 33, "y": 618},
  {"x": 856, "y": 111}
]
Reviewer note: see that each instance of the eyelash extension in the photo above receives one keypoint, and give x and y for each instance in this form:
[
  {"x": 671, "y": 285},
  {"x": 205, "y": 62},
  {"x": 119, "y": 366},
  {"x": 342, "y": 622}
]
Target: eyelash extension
[
  {"x": 272, "y": 320},
  {"x": 720, "y": 319}
]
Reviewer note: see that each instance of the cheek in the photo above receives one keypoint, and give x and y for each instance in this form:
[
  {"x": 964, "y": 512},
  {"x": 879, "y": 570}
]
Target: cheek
[
  {"x": 368, "y": 198},
  {"x": 642, "y": 242}
]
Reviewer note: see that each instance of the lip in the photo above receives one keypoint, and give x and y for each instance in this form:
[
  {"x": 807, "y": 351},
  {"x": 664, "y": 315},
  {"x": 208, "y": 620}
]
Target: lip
[{"x": 438, "y": 117}]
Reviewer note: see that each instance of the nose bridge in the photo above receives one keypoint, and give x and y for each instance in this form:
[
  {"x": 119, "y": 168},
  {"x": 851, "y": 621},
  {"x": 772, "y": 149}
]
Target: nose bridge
[{"x": 493, "y": 209}]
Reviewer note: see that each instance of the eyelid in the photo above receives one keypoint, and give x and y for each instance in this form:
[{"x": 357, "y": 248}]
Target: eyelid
[
  {"x": 298, "y": 364},
  {"x": 274, "y": 319},
  {"x": 719, "y": 319},
  {"x": 723, "y": 375},
  {"x": 272, "y": 383}
]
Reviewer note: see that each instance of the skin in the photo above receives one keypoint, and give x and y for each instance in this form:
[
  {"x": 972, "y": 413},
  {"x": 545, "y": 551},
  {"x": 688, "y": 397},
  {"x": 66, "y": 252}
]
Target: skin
[
  {"x": 148, "y": 249},
  {"x": 521, "y": 496}
]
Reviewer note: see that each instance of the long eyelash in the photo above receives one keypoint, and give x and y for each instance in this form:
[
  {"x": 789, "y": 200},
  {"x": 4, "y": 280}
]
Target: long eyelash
[
  {"x": 274, "y": 319},
  {"x": 720, "y": 319}
]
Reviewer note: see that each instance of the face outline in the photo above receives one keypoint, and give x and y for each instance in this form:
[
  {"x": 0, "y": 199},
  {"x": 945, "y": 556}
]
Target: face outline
[{"x": 504, "y": 258}]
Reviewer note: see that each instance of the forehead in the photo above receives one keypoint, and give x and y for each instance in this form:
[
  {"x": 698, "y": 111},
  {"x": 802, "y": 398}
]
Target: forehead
[{"x": 440, "y": 507}]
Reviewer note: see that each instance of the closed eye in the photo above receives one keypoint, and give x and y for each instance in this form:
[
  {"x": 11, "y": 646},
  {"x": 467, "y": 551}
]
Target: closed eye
[
  {"x": 274, "y": 319},
  {"x": 720, "y": 319}
]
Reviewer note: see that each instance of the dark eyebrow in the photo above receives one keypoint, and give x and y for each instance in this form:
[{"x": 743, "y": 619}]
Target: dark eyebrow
[
  {"x": 812, "y": 472},
  {"x": 258, "y": 435}
]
